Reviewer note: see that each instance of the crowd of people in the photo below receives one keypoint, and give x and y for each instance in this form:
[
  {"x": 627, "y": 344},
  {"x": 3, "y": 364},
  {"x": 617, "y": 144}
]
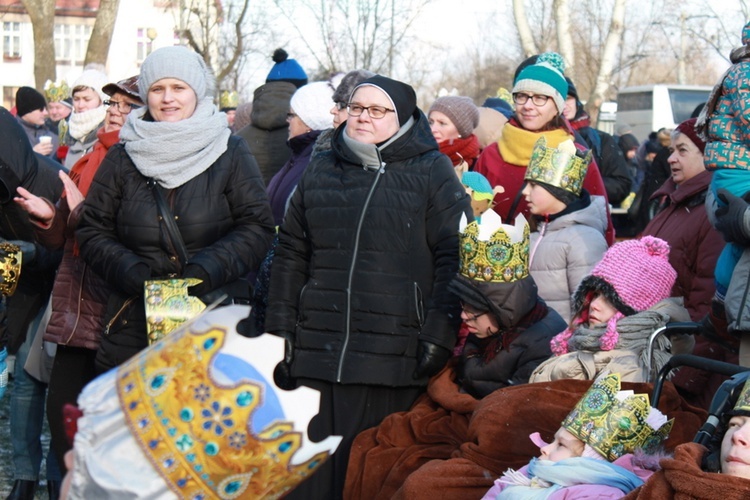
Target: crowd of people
[{"x": 419, "y": 267}]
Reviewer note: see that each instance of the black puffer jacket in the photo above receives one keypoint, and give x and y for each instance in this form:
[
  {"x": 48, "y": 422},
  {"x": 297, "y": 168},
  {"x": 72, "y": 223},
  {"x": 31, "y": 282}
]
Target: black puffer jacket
[
  {"x": 364, "y": 259},
  {"x": 222, "y": 214}
]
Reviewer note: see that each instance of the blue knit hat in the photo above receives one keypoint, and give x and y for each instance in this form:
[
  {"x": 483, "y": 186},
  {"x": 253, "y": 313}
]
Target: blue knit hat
[
  {"x": 286, "y": 70},
  {"x": 545, "y": 77}
]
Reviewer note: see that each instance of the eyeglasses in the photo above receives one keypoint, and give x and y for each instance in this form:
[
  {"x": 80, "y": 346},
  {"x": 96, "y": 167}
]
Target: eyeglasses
[
  {"x": 471, "y": 313},
  {"x": 375, "y": 112},
  {"x": 122, "y": 106},
  {"x": 290, "y": 116},
  {"x": 538, "y": 100}
]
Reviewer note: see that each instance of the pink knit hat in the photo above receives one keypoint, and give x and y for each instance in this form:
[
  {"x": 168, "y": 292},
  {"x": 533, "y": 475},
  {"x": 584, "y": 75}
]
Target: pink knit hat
[{"x": 634, "y": 275}]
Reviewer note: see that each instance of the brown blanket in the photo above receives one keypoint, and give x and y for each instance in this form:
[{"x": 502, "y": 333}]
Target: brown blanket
[{"x": 453, "y": 446}]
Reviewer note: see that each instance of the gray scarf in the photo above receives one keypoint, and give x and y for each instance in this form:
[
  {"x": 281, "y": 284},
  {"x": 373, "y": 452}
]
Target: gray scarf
[
  {"x": 634, "y": 332},
  {"x": 175, "y": 152},
  {"x": 368, "y": 153}
]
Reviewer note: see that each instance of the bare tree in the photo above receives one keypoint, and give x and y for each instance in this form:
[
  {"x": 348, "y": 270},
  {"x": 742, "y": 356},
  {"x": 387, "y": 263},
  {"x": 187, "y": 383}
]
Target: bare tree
[
  {"x": 607, "y": 61},
  {"x": 97, "y": 50},
  {"x": 355, "y": 34},
  {"x": 564, "y": 38},
  {"x": 528, "y": 45},
  {"x": 42, "y": 15}
]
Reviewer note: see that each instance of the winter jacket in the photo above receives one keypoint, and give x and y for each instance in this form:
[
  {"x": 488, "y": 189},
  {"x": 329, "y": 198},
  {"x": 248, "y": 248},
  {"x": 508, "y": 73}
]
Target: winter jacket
[
  {"x": 628, "y": 362},
  {"x": 79, "y": 295},
  {"x": 283, "y": 183},
  {"x": 34, "y": 132},
  {"x": 681, "y": 477},
  {"x": 694, "y": 243},
  {"x": 510, "y": 175},
  {"x": 223, "y": 217},
  {"x": 584, "y": 491},
  {"x": 21, "y": 166},
  {"x": 268, "y": 130},
  {"x": 564, "y": 250},
  {"x": 364, "y": 259},
  {"x": 511, "y": 366}
]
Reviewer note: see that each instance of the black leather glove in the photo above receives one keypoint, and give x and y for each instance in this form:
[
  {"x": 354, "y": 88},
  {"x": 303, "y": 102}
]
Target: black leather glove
[
  {"x": 730, "y": 219},
  {"x": 282, "y": 374},
  {"x": 28, "y": 250},
  {"x": 431, "y": 358}
]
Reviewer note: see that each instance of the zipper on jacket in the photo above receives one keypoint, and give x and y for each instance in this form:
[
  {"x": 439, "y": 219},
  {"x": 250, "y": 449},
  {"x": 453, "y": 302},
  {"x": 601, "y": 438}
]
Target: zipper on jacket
[
  {"x": 419, "y": 305},
  {"x": 117, "y": 315},
  {"x": 78, "y": 307},
  {"x": 542, "y": 231},
  {"x": 347, "y": 331}
]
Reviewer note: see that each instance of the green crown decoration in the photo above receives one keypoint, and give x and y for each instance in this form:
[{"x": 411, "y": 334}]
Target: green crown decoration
[
  {"x": 494, "y": 252},
  {"x": 615, "y": 422},
  {"x": 56, "y": 91},
  {"x": 562, "y": 167},
  {"x": 229, "y": 99}
]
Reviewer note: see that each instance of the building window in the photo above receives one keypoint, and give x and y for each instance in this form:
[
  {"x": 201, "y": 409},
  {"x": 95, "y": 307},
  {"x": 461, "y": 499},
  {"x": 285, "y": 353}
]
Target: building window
[
  {"x": 71, "y": 42},
  {"x": 145, "y": 41},
  {"x": 11, "y": 41}
]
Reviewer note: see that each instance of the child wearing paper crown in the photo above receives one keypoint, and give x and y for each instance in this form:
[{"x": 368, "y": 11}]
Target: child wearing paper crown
[
  {"x": 616, "y": 308},
  {"x": 600, "y": 450},
  {"x": 570, "y": 223}
]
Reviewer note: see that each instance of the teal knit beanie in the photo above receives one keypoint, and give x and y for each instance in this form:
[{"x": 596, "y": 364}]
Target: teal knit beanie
[{"x": 545, "y": 77}]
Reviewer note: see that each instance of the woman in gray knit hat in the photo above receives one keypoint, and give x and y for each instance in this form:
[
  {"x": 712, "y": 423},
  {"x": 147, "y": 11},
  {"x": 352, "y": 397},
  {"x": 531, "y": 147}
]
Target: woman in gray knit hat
[
  {"x": 177, "y": 161},
  {"x": 453, "y": 119}
]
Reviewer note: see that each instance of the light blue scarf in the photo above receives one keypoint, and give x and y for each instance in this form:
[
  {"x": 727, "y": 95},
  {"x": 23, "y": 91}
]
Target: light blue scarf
[{"x": 571, "y": 472}]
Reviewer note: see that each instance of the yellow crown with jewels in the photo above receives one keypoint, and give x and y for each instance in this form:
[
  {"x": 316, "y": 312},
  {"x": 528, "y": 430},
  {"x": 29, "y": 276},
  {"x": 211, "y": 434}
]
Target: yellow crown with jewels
[
  {"x": 615, "y": 422},
  {"x": 198, "y": 431},
  {"x": 494, "y": 252},
  {"x": 229, "y": 99},
  {"x": 56, "y": 91},
  {"x": 10, "y": 268},
  {"x": 563, "y": 166},
  {"x": 743, "y": 400}
]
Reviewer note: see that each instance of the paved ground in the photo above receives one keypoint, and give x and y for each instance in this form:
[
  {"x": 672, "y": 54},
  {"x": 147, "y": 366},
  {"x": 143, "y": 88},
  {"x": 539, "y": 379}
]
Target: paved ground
[{"x": 6, "y": 464}]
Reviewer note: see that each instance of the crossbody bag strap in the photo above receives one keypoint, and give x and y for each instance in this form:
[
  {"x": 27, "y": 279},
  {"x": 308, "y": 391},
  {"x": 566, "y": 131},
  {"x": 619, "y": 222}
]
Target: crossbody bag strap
[
  {"x": 514, "y": 205},
  {"x": 172, "y": 230}
]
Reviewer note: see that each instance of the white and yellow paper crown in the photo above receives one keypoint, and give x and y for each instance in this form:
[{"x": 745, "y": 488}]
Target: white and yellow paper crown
[
  {"x": 229, "y": 99},
  {"x": 494, "y": 252},
  {"x": 615, "y": 422},
  {"x": 56, "y": 91},
  {"x": 561, "y": 167},
  {"x": 202, "y": 407},
  {"x": 10, "y": 268}
]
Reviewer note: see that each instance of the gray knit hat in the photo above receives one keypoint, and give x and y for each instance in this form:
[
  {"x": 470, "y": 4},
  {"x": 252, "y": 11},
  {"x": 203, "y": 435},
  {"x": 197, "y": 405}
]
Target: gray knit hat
[
  {"x": 460, "y": 110},
  {"x": 312, "y": 104},
  {"x": 352, "y": 79},
  {"x": 180, "y": 63}
]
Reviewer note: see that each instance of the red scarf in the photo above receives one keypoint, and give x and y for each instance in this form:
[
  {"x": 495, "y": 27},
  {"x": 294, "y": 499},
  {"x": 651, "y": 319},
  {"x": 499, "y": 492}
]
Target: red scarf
[
  {"x": 84, "y": 169},
  {"x": 461, "y": 149}
]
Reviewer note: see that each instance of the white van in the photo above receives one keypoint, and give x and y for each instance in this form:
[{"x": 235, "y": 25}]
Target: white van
[{"x": 648, "y": 108}]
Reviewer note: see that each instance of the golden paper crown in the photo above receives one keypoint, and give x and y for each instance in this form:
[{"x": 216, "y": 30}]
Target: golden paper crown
[
  {"x": 56, "y": 91},
  {"x": 168, "y": 305},
  {"x": 560, "y": 167},
  {"x": 615, "y": 422},
  {"x": 212, "y": 438},
  {"x": 10, "y": 268},
  {"x": 229, "y": 99},
  {"x": 494, "y": 252},
  {"x": 743, "y": 400}
]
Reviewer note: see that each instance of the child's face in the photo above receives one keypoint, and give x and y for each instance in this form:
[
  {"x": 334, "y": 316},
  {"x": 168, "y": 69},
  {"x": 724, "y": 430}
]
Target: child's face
[
  {"x": 541, "y": 201},
  {"x": 601, "y": 310},
  {"x": 565, "y": 445}
]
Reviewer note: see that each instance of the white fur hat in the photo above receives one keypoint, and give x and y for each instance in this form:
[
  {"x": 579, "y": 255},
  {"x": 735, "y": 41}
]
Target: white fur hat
[{"x": 313, "y": 103}]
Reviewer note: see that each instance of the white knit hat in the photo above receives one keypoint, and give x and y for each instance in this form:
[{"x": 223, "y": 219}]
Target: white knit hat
[
  {"x": 94, "y": 79},
  {"x": 312, "y": 103},
  {"x": 177, "y": 62}
]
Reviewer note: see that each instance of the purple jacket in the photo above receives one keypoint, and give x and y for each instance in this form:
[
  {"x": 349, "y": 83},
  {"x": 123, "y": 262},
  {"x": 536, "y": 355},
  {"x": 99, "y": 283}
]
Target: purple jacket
[{"x": 282, "y": 185}]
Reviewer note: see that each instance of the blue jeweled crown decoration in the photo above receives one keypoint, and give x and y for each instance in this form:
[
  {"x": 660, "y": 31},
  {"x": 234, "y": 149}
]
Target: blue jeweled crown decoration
[
  {"x": 203, "y": 408},
  {"x": 494, "y": 252},
  {"x": 562, "y": 167},
  {"x": 615, "y": 422}
]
